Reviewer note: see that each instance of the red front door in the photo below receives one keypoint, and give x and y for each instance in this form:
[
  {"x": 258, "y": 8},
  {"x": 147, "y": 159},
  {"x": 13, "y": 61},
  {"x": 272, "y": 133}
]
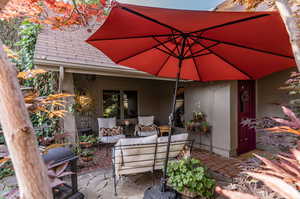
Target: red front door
[{"x": 246, "y": 109}]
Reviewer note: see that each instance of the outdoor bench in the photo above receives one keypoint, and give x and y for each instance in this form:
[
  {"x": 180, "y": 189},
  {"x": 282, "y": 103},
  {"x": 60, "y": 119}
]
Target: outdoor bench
[{"x": 139, "y": 155}]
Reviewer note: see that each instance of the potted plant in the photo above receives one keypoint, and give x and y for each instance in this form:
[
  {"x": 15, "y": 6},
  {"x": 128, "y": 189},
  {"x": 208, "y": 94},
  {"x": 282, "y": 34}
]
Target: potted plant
[
  {"x": 198, "y": 123},
  {"x": 190, "y": 178},
  {"x": 205, "y": 127},
  {"x": 86, "y": 155},
  {"x": 87, "y": 141}
]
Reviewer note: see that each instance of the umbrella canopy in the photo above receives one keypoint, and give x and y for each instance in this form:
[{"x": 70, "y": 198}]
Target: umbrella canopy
[
  {"x": 194, "y": 45},
  {"x": 216, "y": 45}
]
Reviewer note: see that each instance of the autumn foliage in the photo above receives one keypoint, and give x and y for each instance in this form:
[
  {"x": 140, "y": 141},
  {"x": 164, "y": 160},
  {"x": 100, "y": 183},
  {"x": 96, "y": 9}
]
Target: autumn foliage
[{"x": 56, "y": 13}]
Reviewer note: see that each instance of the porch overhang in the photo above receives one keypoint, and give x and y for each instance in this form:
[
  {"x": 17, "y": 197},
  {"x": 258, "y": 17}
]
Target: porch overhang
[{"x": 104, "y": 70}]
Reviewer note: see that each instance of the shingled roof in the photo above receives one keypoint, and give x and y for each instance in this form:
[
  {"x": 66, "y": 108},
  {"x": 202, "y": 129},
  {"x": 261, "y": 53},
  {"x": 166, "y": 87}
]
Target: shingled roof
[{"x": 68, "y": 48}]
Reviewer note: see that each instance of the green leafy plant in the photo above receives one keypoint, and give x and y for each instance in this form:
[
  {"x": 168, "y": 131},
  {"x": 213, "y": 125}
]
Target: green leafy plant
[
  {"x": 188, "y": 173},
  {"x": 6, "y": 170},
  {"x": 86, "y": 153},
  {"x": 88, "y": 139},
  {"x": 198, "y": 123}
]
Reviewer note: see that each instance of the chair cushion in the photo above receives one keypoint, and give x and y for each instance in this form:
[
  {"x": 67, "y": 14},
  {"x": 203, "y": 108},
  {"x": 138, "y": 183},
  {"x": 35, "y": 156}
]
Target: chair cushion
[
  {"x": 107, "y": 122},
  {"x": 146, "y": 133},
  {"x": 111, "y": 139},
  {"x": 146, "y": 120},
  {"x": 147, "y": 128},
  {"x": 111, "y": 131}
]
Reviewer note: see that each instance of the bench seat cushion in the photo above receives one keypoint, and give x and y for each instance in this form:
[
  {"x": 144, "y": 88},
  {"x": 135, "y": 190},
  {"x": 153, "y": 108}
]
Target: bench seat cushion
[{"x": 131, "y": 157}]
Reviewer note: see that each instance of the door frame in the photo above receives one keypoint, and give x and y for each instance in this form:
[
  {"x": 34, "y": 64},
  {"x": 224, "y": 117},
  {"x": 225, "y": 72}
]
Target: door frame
[{"x": 252, "y": 145}]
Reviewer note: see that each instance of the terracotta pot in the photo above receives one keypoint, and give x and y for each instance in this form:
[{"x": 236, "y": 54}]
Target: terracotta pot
[
  {"x": 86, "y": 144},
  {"x": 186, "y": 194}
]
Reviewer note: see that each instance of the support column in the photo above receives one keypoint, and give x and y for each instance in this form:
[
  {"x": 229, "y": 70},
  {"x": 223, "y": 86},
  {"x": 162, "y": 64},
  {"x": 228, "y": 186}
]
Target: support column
[{"x": 69, "y": 122}]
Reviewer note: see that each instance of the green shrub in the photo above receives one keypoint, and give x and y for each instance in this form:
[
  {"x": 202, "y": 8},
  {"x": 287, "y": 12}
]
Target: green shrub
[
  {"x": 88, "y": 138},
  {"x": 188, "y": 173}
]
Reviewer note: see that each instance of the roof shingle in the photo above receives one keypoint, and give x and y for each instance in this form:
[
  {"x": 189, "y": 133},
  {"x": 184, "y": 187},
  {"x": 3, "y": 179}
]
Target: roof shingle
[{"x": 70, "y": 47}]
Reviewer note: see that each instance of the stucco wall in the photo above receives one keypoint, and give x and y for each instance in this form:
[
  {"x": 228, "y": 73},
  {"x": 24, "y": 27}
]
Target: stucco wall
[
  {"x": 154, "y": 96},
  {"x": 269, "y": 97},
  {"x": 218, "y": 102}
]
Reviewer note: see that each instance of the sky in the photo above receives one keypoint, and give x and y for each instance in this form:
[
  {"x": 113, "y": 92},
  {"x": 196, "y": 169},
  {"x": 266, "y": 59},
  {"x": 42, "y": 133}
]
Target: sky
[{"x": 177, "y": 4}]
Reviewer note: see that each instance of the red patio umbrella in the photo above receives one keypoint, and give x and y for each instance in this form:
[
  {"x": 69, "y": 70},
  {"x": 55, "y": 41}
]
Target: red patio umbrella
[{"x": 195, "y": 45}]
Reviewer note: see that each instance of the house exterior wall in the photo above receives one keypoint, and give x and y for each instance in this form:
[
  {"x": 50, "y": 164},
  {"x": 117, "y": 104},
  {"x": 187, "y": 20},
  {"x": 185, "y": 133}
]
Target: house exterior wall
[
  {"x": 218, "y": 102},
  {"x": 154, "y": 96},
  {"x": 269, "y": 97}
]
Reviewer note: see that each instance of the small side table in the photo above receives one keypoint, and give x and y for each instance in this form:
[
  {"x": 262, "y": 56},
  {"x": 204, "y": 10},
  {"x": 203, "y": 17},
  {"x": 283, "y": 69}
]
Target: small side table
[{"x": 164, "y": 129}]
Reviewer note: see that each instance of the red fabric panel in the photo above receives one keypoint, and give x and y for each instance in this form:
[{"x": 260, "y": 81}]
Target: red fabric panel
[
  {"x": 187, "y": 20},
  {"x": 121, "y": 49},
  {"x": 189, "y": 70},
  {"x": 122, "y": 24},
  {"x": 255, "y": 63},
  {"x": 266, "y": 33},
  {"x": 213, "y": 68},
  {"x": 170, "y": 68},
  {"x": 150, "y": 61}
]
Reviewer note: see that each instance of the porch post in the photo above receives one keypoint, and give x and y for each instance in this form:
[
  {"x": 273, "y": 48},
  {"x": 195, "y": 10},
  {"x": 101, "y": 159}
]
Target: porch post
[
  {"x": 69, "y": 122},
  {"x": 61, "y": 78}
]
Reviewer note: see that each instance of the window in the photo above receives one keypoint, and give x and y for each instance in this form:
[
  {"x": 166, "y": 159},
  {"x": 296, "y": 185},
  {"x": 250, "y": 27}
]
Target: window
[
  {"x": 130, "y": 104},
  {"x": 179, "y": 111},
  {"x": 111, "y": 104},
  {"x": 120, "y": 104}
]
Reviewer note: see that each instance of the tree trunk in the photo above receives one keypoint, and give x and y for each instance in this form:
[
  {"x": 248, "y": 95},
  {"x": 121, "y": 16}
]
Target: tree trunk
[
  {"x": 290, "y": 21},
  {"x": 21, "y": 141},
  {"x": 3, "y": 4}
]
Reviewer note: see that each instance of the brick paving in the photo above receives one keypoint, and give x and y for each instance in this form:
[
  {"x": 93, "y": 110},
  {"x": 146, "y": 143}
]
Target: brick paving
[{"x": 227, "y": 167}]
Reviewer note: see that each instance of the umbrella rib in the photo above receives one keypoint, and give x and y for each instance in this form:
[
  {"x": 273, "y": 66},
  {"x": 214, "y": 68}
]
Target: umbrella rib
[
  {"x": 225, "y": 60},
  {"x": 178, "y": 52},
  {"x": 164, "y": 63},
  {"x": 231, "y": 23},
  {"x": 134, "y": 37},
  {"x": 194, "y": 54},
  {"x": 150, "y": 19},
  {"x": 196, "y": 65},
  {"x": 166, "y": 52},
  {"x": 246, "y": 47},
  {"x": 168, "y": 49},
  {"x": 145, "y": 50}
]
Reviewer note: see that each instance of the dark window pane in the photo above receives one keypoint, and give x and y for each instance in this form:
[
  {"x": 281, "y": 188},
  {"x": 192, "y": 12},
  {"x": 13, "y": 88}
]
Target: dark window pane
[
  {"x": 130, "y": 104},
  {"x": 111, "y": 104},
  {"x": 179, "y": 111}
]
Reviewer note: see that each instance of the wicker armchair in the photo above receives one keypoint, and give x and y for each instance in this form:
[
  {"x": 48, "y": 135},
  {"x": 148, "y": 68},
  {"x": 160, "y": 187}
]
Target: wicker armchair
[
  {"x": 146, "y": 126},
  {"x": 109, "y": 132}
]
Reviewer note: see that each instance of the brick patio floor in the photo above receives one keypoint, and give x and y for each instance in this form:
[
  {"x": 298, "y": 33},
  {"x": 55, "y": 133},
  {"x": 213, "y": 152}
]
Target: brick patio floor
[{"x": 227, "y": 167}]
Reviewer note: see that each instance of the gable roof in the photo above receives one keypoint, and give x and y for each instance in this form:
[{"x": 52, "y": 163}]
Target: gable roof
[{"x": 68, "y": 48}]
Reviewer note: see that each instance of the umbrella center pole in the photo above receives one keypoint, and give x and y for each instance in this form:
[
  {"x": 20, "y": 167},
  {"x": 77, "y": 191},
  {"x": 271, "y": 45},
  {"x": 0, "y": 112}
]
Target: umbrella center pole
[{"x": 171, "y": 116}]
